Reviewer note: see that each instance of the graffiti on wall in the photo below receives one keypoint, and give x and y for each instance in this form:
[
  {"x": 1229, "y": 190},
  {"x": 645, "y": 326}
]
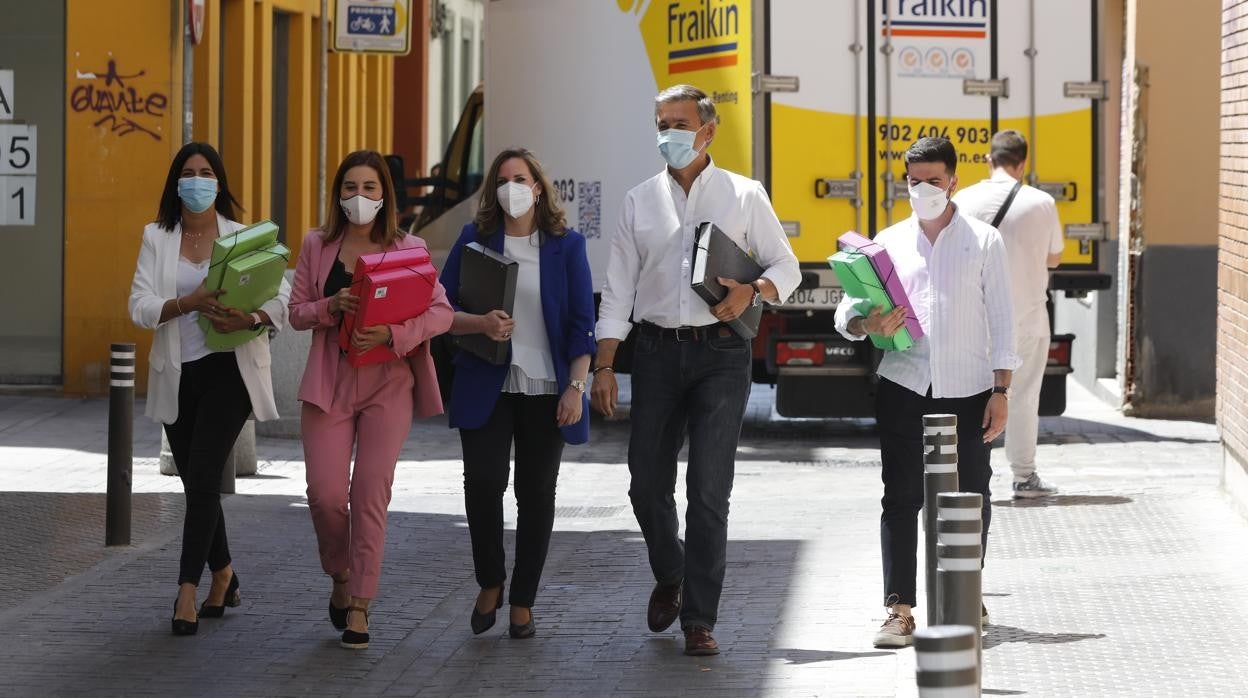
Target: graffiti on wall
[{"x": 122, "y": 107}]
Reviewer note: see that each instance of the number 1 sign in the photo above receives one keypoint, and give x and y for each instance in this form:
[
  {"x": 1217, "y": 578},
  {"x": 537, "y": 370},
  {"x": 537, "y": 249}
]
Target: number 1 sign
[{"x": 17, "y": 200}]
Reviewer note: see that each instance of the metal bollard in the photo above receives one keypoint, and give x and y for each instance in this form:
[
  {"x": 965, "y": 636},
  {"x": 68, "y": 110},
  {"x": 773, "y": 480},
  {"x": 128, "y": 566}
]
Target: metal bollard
[
  {"x": 940, "y": 474},
  {"x": 120, "y": 444},
  {"x": 946, "y": 662},
  {"x": 959, "y": 575}
]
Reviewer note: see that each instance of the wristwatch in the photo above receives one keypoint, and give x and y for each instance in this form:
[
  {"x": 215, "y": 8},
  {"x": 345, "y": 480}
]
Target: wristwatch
[
  {"x": 256, "y": 322},
  {"x": 578, "y": 385},
  {"x": 757, "y": 299},
  {"x": 1001, "y": 390}
]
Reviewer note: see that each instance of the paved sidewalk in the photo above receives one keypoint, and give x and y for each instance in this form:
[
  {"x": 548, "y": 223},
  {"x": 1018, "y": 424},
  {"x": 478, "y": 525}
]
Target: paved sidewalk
[{"x": 1125, "y": 585}]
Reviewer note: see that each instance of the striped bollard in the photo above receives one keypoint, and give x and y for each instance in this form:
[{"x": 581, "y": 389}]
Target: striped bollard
[
  {"x": 940, "y": 474},
  {"x": 120, "y": 443},
  {"x": 946, "y": 662},
  {"x": 959, "y": 574}
]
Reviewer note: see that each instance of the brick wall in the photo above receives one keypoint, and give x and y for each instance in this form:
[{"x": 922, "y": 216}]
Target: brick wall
[{"x": 1232, "y": 350}]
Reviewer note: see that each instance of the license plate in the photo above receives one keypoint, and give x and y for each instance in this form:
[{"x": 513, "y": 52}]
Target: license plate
[{"x": 825, "y": 297}]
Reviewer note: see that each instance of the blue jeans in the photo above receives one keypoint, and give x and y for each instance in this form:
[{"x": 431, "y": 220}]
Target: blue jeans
[{"x": 702, "y": 387}]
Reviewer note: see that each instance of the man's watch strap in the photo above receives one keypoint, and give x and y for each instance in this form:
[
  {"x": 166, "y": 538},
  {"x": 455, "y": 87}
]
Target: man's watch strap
[
  {"x": 256, "y": 321},
  {"x": 1001, "y": 390}
]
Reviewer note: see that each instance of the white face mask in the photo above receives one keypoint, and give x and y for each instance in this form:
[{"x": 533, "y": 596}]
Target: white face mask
[
  {"x": 515, "y": 198},
  {"x": 360, "y": 210},
  {"x": 928, "y": 200}
]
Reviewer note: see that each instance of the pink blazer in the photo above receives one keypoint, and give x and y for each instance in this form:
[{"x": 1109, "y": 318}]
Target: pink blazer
[{"x": 309, "y": 309}]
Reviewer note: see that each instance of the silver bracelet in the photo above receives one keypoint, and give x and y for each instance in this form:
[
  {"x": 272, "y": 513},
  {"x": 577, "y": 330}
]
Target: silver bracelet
[{"x": 177, "y": 302}]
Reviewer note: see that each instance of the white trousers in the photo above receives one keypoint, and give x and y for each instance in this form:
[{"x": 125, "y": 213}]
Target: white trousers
[{"x": 1023, "y": 426}]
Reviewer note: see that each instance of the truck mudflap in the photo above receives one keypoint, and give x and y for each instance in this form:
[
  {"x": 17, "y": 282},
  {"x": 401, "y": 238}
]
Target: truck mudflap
[{"x": 1053, "y": 385}]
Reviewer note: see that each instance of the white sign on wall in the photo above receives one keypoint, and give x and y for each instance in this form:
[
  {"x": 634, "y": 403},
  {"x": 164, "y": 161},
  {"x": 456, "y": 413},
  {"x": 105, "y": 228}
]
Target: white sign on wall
[
  {"x": 373, "y": 26},
  {"x": 6, "y": 95},
  {"x": 17, "y": 200},
  {"x": 19, "y": 152},
  {"x": 18, "y": 149}
]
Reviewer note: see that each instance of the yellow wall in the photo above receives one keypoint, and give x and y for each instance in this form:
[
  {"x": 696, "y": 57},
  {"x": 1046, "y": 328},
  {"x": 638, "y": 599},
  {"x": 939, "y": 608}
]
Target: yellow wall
[
  {"x": 1181, "y": 51},
  {"x": 115, "y": 169},
  {"x": 115, "y": 166}
]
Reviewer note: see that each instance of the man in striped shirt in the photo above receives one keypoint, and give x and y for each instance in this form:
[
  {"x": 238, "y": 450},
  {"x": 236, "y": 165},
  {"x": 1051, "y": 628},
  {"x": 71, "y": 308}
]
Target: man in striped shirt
[{"x": 953, "y": 269}]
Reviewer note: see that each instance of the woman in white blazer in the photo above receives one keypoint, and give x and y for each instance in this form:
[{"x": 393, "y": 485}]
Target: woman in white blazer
[{"x": 202, "y": 397}]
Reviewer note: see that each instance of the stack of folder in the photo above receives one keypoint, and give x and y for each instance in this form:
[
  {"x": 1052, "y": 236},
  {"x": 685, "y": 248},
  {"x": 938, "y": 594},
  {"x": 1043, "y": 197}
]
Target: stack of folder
[
  {"x": 487, "y": 281},
  {"x": 249, "y": 266},
  {"x": 393, "y": 287},
  {"x": 866, "y": 271},
  {"x": 715, "y": 255}
]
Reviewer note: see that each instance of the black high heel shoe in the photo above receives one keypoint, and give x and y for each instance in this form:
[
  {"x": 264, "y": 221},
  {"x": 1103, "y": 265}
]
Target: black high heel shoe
[
  {"x": 525, "y": 631},
  {"x": 482, "y": 622},
  {"x": 338, "y": 616},
  {"x": 183, "y": 627},
  {"x": 232, "y": 599}
]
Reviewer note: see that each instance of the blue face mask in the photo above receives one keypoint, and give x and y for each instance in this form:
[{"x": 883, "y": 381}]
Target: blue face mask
[
  {"x": 198, "y": 193},
  {"x": 676, "y": 146}
]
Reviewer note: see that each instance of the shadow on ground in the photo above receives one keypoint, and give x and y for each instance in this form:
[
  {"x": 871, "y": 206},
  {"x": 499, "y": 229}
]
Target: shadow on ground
[
  {"x": 1064, "y": 500},
  {"x": 997, "y": 635},
  {"x": 107, "y": 632}
]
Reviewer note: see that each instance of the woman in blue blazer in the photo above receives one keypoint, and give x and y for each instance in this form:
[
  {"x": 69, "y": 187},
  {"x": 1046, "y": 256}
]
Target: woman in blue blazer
[{"x": 537, "y": 398}]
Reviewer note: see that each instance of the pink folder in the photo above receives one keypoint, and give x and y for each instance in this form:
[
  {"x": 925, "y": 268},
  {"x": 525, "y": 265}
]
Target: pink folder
[
  {"x": 393, "y": 287},
  {"x": 883, "y": 265}
]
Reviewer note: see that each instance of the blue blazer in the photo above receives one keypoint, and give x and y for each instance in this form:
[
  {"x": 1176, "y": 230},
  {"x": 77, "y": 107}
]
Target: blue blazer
[{"x": 568, "y": 310}]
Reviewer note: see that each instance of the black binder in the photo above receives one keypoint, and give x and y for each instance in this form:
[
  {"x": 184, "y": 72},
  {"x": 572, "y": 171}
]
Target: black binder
[
  {"x": 487, "y": 281},
  {"x": 716, "y": 255}
]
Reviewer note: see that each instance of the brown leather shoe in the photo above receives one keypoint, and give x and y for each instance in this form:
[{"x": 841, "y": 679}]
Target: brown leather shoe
[
  {"x": 664, "y": 606},
  {"x": 699, "y": 643}
]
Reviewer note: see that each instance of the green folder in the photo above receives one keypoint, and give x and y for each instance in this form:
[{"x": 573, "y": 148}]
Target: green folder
[
  {"x": 228, "y": 247},
  {"x": 249, "y": 265},
  {"x": 859, "y": 280}
]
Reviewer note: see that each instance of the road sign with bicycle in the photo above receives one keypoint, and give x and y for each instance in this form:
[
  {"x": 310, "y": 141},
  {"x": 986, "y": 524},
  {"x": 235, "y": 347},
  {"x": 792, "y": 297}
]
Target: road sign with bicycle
[{"x": 372, "y": 26}]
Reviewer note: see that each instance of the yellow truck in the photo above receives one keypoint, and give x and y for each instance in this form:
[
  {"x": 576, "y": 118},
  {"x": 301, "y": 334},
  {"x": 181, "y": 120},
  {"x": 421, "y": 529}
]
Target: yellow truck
[{"x": 817, "y": 100}]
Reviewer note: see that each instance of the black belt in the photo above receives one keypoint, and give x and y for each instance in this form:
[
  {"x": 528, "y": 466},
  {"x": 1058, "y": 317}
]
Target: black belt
[{"x": 686, "y": 333}]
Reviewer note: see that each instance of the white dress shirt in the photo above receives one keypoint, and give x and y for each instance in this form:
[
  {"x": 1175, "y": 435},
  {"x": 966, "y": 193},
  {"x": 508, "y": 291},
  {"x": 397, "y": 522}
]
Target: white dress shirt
[
  {"x": 532, "y": 370},
  {"x": 1032, "y": 231},
  {"x": 651, "y": 263},
  {"x": 960, "y": 291}
]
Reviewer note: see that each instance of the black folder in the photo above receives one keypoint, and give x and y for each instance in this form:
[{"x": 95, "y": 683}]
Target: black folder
[
  {"x": 716, "y": 255},
  {"x": 487, "y": 281}
]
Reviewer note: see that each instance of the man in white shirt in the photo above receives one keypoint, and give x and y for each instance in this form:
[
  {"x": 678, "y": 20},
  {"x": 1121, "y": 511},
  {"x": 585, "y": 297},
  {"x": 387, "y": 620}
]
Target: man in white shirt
[
  {"x": 954, "y": 272},
  {"x": 689, "y": 370},
  {"x": 1033, "y": 245}
]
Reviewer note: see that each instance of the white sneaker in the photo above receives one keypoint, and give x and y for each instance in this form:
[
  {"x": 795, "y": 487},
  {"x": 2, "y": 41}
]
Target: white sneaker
[
  {"x": 897, "y": 631},
  {"x": 1033, "y": 487}
]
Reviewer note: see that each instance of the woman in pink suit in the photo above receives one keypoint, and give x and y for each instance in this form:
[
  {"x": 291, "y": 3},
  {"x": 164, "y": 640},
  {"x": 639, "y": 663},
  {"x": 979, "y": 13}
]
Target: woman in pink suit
[{"x": 369, "y": 407}]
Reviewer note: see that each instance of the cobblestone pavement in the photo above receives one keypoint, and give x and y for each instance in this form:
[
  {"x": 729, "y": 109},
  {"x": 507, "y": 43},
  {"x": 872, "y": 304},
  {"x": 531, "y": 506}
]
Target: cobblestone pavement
[{"x": 1125, "y": 585}]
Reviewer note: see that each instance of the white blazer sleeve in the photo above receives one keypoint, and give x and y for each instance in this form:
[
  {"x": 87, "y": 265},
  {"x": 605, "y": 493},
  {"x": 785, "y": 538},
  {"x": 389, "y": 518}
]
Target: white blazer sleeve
[
  {"x": 277, "y": 307},
  {"x": 145, "y": 305}
]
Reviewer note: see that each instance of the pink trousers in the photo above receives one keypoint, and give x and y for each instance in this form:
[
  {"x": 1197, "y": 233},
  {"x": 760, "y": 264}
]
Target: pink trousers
[{"x": 372, "y": 412}]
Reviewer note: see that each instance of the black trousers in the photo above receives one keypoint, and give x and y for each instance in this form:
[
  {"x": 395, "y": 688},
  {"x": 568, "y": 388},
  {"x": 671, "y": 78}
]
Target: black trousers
[
  {"x": 213, "y": 405},
  {"x": 529, "y": 421},
  {"x": 899, "y": 419}
]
